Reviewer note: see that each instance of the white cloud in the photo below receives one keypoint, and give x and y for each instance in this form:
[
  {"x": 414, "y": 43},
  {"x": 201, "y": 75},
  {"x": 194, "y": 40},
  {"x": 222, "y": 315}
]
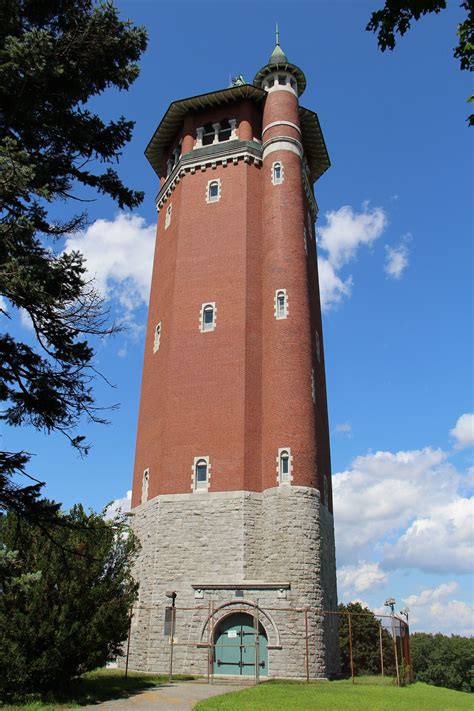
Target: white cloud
[
  {"x": 344, "y": 428},
  {"x": 116, "y": 506},
  {"x": 431, "y": 612},
  {"x": 361, "y": 577},
  {"x": 340, "y": 238},
  {"x": 396, "y": 260},
  {"x": 347, "y": 229},
  {"x": 463, "y": 431},
  {"x": 25, "y": 320},
  {"x": 119, "y": 256},
  {"x": 3, "y": 305},
  {"x": 406, "y": 505}
]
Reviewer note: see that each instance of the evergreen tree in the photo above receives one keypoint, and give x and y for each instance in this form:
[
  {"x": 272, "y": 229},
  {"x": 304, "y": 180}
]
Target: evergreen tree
[
  {"x": 65, "y": 596},
  {"x": 55, "y": 55}
]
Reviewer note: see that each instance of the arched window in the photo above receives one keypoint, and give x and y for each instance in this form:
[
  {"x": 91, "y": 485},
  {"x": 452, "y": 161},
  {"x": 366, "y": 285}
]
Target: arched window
[
  {"x": 145, "y": 480},
  {"x": 208, "y": 317},
  {"x": 225, "y": 130},
  {"x": 281, "y": 304},
  {"x": 213, "y": 191},
  {"x": 156, "y": 341},
  {"x": 208, "y": 135},
  {"x": 201, "y": 472},
  {"x": 277, "y": 173},
  {"x": 284, "y": 466}
]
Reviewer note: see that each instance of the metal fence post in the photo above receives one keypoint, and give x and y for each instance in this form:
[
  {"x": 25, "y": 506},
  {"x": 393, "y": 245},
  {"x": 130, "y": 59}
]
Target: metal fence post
[
  {"x": 128, "y": 644},
  {"x": 395, "y": 648},
  {"x": 350, "y": 647},
  {"x": 381, "y": 648}
]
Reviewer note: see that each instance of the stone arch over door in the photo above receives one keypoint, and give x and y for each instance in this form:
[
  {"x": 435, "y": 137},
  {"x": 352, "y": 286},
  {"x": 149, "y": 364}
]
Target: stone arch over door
[{"x": 229, "y": 608}]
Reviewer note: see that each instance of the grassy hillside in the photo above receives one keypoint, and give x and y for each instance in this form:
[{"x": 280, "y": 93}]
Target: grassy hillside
[{"x": 368, "y": 694}]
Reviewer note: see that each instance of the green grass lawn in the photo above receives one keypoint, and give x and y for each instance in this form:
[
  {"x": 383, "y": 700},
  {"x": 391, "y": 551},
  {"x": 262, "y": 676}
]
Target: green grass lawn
[
  {"x": 94, "y": 687},
  {"x": 368, "y": 694}
]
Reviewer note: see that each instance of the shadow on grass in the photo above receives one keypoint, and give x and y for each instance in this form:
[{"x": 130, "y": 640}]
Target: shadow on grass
[{"x": 94, "y": 688}]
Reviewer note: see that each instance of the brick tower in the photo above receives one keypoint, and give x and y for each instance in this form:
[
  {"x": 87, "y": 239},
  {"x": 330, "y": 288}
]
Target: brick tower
[{"x": 232, "y": 484}]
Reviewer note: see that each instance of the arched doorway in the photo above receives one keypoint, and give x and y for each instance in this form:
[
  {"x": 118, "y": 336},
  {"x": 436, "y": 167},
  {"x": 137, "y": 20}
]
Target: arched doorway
[{"x": 234, "y": 650}]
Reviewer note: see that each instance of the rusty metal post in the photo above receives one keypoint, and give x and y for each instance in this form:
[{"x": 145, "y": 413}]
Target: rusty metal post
[
  {"x": 128, "y": 644},
  {"x": 350, "y": 647},
  {"x": 209, "y": 642},
  {"x": 307, "y": 644},
  {"x": 212, "y": 641},
  {"x": 173, "y": 612},
  {"x": 395, "y": 649},
  {"x": 257, "y": 645},
  {"x": 381, "y": 648}
]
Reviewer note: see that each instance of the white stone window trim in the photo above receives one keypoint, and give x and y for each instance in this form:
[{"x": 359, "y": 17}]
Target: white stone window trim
[
  {"x": 313, "y": 385},
  {"x": 217, "y": 128},
  {"x": 169, "y": 211},
  {"x": 202, "y": 325},
  {"x": 317, "y": 343},
  {"x": 276, "y": 310},
  {"x": 214, "y": 181},
  {"x": 145, "y": 483},
  {"x": 157, "y": 337},
  {"x": 305, "y": 240},
  {"x": 283, "y": 450},
  {"x": 277, "y": 181},
  {"x": 194, "y": 483}
]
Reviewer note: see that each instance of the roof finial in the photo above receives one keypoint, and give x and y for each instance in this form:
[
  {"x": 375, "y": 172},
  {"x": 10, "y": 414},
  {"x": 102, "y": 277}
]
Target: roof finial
[{"x": 277, "y": 34}]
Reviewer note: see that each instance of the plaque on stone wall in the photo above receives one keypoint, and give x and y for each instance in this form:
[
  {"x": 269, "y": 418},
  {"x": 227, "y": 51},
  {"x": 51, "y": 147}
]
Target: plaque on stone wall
[{"x": 168, "y": 615}]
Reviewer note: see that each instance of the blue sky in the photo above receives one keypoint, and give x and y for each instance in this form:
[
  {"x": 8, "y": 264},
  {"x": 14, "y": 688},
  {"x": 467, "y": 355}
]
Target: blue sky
[{"x": 394, "y": 232}]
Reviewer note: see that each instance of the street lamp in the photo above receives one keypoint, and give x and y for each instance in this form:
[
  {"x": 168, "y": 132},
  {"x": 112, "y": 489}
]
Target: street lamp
[
  {"x": 172, "y": 595},
  {"x": 390, "y": 602},
  {"x": 405, "y": 612}
]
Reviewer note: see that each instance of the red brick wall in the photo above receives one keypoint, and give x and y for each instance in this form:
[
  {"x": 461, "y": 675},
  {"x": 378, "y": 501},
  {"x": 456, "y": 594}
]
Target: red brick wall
[{"x": 242, "y": 391}]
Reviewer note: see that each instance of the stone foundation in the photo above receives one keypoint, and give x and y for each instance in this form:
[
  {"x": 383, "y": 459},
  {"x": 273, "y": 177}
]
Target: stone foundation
[{"x": 231, "y": 551}]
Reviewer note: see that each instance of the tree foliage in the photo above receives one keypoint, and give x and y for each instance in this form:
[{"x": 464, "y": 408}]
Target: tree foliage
[
  {"x": 396, "y": 17},
  {"x": 365, "y": 641},
  {"x": 55, "y": 55},
  {"x": 66, "y": 593},
  {"x": 443, "y": 661}
]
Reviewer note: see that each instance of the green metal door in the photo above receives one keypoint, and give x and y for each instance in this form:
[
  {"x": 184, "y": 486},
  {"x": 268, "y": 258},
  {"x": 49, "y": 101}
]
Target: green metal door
[{"x": 234, "y": 651}]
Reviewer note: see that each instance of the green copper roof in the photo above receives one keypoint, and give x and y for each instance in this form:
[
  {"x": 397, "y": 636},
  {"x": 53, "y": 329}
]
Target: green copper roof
[
  {"x": 171, "y": 123},
  {"x": 279, "y": 61},
  {"x": 278, "y": 56}
]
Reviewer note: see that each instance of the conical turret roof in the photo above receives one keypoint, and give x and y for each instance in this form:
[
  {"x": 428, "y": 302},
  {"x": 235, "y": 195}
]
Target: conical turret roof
[{"x": 279, "y": 60}]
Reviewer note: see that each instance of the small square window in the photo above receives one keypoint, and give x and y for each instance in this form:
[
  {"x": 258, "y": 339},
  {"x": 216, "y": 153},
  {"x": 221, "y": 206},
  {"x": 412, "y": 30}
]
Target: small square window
[{"x": 281, "y": 79}]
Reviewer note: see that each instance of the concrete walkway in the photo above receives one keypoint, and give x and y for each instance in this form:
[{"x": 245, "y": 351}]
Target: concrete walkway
[{"x": 179, "y": 696}]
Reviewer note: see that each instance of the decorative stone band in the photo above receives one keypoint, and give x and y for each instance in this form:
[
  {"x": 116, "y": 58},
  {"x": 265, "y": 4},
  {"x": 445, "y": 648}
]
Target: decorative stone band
[
  {"x": 247, "y": 585},
  {"x": 282, "y": 143},
  {"x": 248, "y": 151},
  {"x": 282, "y": 123}
]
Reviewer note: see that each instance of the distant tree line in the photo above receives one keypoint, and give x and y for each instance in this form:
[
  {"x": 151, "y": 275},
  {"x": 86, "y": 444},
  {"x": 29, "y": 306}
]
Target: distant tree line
[{"x": 443, "y": 661}]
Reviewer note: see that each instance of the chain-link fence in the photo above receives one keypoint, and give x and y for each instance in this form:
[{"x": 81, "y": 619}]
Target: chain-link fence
[{"x": 203, "y": 641}]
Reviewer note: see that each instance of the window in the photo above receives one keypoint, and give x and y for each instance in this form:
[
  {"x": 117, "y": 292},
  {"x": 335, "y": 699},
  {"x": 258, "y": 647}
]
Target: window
[
  {"x": 201, "y": 473},
  {"x": 293, "y": 83},
  {"x": 284, "y": 466},
  {"x": 271, "y": 82},
  {"x": 145, "y": 480},
  {"x": 169, "y": 210},
  {"x": 281, "y": 304},
  {"x": 313, "y": 386},
  {"x": 156, "y": 342},
  {"x": 208, "y": 135},
  {"x": 207, "y": 319},
  {"x": 318, "y": 346},
  {"x": 282, "y": 79},
  {"x": 213, "y": 193},
  {"x": 225, "y": 130},
  {"x": 277, "y": 173}
]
